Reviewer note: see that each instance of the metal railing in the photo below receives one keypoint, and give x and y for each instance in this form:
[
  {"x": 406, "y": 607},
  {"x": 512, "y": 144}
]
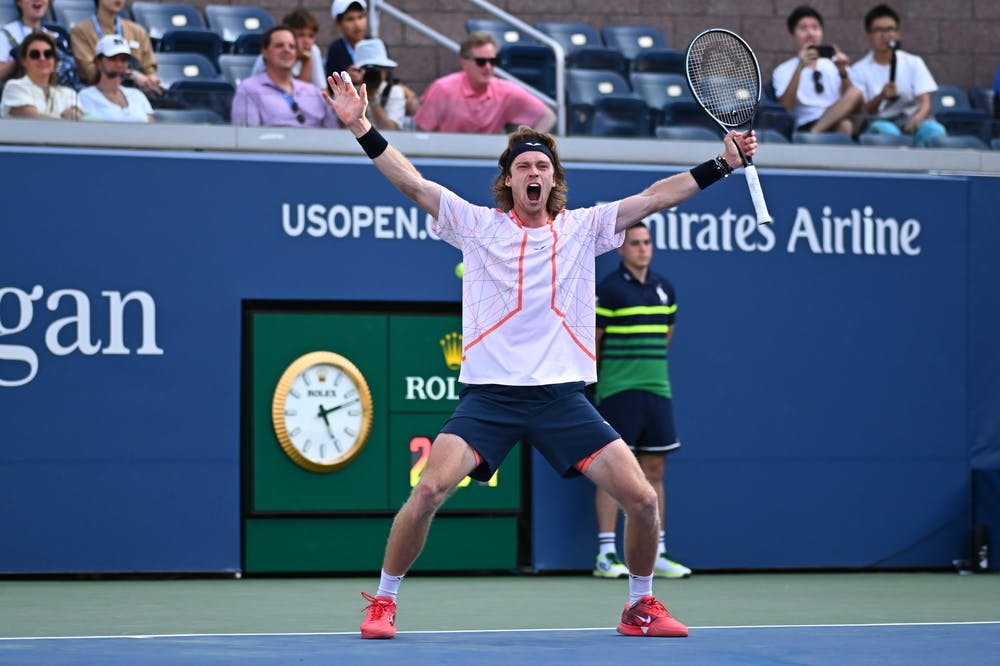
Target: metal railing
[{"x": 558, "y": 104}]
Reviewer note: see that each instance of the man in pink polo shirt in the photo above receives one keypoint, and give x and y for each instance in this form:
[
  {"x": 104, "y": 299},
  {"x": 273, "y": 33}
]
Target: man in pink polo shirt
[{"x": 475, "y": 101}]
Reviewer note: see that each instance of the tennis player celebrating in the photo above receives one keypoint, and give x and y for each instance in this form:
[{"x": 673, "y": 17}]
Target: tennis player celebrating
[{"x": 528, "y": 343}]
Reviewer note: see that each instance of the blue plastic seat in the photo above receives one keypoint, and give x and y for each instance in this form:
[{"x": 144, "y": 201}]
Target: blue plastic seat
[
  {"x": 249, "y": 43},
  {"x": 505, "y": 33},
  {"x": 188, "y": 116},
  {"x": 68, "y": 12},
  {"x": 957, "y": 141},
  {"x": 631, "y": 40},
  {"x": 231, "y": 21},
  {"x": 203, "y": 41},
  {"x": 159, "y": 17},
  {"x": 905, "y": 140},
  {"x": 236, "y": 66},
  {"x": 571, "y": 36},
  {"x": 659, "y": 60},
  {"x": 824, "y": 138},
  {"x": 686, "y": 133},
  {"x": 602, "y": 104},
  {"x": 532, "y": 63},
  {"x": 173, "y": 67},
  {"x": 598, "y": 57}
]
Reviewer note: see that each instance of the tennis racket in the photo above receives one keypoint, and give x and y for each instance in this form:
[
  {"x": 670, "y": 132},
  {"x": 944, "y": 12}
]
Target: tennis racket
[{"x": 724, "y": 77}]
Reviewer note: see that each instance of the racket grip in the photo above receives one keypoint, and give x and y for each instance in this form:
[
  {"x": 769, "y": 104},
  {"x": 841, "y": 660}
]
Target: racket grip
[{"x": 757, "y": 195}]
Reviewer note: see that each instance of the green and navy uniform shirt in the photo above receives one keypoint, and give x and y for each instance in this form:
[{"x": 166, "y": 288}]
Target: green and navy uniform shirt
[{"x": 636, "y": 318}]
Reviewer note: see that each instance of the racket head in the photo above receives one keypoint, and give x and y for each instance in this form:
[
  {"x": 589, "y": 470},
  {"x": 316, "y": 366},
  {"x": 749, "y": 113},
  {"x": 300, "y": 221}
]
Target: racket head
[{"x": 724, "y": 77}]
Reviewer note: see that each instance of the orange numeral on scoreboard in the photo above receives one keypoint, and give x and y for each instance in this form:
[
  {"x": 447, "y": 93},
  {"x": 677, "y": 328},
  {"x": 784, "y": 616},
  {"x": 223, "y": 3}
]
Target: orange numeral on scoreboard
[{"x": 420, "y": 447}]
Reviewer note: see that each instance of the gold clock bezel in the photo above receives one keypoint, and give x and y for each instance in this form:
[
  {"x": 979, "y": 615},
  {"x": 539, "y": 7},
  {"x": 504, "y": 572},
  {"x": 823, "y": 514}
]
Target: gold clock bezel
[{"x": 294, "y": 369}]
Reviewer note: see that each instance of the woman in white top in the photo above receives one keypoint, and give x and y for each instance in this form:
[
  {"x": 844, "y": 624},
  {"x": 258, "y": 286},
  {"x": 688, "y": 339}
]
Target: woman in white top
[
  {"x": 36, "y": 95},
  {"x": 108, "y": 99}
]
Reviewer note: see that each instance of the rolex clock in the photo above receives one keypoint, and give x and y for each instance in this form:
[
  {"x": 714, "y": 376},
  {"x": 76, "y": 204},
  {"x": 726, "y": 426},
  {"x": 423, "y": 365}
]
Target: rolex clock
[{"x": 322, "y": 411}]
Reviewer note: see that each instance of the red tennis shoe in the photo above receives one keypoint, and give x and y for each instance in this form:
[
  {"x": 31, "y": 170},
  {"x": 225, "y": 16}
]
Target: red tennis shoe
[
  {"x": 648, "y": 617},
  {"x": 381, "y": 619}
]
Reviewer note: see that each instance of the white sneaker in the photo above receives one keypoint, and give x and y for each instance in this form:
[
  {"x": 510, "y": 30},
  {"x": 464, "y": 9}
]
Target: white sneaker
[
  {"x": 609, "y": 566},
  {"x": 667, "y": 568}
]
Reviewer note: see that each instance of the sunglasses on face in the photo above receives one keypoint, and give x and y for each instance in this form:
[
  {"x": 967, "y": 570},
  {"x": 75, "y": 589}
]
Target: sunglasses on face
[
  {"x": 37, "y": 54},
  {"x": 817, "y": 76},
  {"x": 482, "y": 62}
]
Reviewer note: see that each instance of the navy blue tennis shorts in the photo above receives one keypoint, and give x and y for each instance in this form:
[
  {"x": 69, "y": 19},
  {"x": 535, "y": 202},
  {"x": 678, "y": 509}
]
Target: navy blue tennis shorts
[
  {"x": 556, "y": 419},
  {"x": 645, "y": 420}
]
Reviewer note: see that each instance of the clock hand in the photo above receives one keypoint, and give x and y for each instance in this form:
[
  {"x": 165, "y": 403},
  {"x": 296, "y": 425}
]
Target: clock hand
[
  {"x": 322, "y": 414},
  {"x": 341, "y": 406}
]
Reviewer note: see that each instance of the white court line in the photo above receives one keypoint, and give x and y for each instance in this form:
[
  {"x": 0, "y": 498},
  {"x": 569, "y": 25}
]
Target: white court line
[{"x": 499, "y": 631}]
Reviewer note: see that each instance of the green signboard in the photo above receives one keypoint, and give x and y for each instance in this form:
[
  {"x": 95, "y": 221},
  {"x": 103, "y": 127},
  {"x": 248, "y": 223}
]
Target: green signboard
[{"x": 410, "y": 359}]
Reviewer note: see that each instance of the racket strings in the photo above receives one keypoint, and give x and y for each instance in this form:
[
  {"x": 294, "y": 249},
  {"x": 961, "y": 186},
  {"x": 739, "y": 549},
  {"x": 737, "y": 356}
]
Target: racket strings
[{"x": 724, "y": 77}]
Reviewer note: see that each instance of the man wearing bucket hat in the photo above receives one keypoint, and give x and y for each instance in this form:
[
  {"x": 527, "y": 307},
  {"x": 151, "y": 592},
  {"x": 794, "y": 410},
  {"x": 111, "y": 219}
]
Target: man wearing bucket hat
[{"x": 390, "y": 103}]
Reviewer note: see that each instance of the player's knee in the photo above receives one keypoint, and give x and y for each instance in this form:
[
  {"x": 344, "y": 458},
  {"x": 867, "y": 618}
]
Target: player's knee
[
  {"x": 428, "y": 495},
  {"x": 643, "y": 505}
]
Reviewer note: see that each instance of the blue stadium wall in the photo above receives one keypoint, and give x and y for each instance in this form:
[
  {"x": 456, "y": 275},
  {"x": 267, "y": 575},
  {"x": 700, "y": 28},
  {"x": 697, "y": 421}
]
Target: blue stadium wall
[{"x": 835, "y": 374}]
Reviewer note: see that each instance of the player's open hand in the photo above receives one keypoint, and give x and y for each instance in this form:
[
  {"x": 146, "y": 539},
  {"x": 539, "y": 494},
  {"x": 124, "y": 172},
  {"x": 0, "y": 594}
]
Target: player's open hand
[{"x": 347, "y": 102}]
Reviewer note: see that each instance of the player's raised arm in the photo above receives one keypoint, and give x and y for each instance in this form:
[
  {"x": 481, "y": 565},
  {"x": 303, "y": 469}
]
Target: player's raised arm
[
  {"x": 678, "y": 188},
  {"x": 350, "y": 106}
]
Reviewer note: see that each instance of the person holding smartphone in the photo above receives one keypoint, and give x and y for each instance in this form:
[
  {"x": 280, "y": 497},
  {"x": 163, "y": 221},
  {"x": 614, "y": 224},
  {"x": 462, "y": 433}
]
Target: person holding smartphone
[
  {"x": 814, "y": 84},
  {"x": 391, "y": 104},
  {"x": 896, "y": 84}
]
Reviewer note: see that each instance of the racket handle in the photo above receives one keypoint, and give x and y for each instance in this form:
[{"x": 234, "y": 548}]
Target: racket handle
[{"x": 757, "y": 195}]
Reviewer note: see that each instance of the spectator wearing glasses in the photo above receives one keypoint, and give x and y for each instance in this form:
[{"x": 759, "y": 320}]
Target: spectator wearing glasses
[
  {"x": 106, "y": 21},
  {"x": 108, "y": 99},
  {"x": 36, "y": 94},
  {"x": 30, "y": 17},
  {"x": 896, "y": 84},
  {"x": 275, "y": 98},
  {"x": 815, "y": 86},
  {"x": 474, "y": 100}
]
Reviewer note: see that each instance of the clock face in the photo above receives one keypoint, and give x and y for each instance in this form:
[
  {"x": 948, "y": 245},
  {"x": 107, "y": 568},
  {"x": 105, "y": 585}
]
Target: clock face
[{"x": 322, "y": 411}]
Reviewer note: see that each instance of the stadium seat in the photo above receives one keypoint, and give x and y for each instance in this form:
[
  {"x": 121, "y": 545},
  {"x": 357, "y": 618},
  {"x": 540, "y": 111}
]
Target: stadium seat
[
  {"x": 173, "y": 67},
  {"x": 505, "y": 33},
  {"x": 981, "y": 97},
  {"x": 532, "y": 63},
  {"x": 68, "y": 12},
  {"x": 249, "y": 43},
  {"x": 231, "y": 21},
  {"x": 659, "y": 60},
  {"x": 949, "y": 98},
  {"x": 660, "y": 88},
  {"x": 216, "y": 96},
  {"x": 957, "y": 141},
  {"x": 768, "y": 135},
  {"x": 8, "y": 12},
  {"x": 602, "y": 104},
  {"x": 630, "y": 40},
  {"x": 773, "y": 116},
  {"x": 886, "y": 140},
  {"x": 571, "y": 36},
  {"x": 235, "y": 67},
  {"x": 971, "y": 122},
  {"x": 598, "y": 57},
  {"x": 686, "y": 133},
  {"x": 825, "y": 138},
  {"x": 203, "y": 41},
  {"x": 188, "y": 116},
  {"x": 157, "y": 18},
  {"x": 686, "y": 111},
  {"x": 995, "y": 144}
]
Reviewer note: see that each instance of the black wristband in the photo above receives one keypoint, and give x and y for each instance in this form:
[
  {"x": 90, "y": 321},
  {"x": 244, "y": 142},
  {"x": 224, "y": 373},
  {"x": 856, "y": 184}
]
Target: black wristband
[
  {"x": 711, "y": 171},
  {"x": 373, "y": 143}
]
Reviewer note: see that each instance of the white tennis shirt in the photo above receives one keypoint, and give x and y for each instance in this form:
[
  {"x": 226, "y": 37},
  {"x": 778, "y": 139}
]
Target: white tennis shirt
[{"x": 527, "y": 293}]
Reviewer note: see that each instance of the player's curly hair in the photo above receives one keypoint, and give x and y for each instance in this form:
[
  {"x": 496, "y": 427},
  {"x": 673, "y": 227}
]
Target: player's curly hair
[{"x": 502, "y": 194}]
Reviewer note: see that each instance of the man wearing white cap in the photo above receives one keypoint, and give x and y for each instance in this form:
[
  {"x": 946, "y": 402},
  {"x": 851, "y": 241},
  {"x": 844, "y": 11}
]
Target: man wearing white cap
[
  {"x": 389, "y": 101},
  {"x": 108, "y": 99},
  {"x": 352, "y": 21}
]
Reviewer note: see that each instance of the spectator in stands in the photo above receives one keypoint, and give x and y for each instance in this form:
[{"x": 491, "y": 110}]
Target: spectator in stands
[
  {"x": 275, "y": 97},
  {"x": 391, "y": 104},
  {"x": 36, "y": 94},
  {"x": 108, "y": 99},
  {"x": 815, "y": 89},
  {"x": 31, "y": 14},
  {"x": 104, "y": 21},
  {"x": 474, "y": 100},
  {"x": 309, "y": 66},
  {"x": 352, "y": 21},
  {"x": 901, "y": 104}
]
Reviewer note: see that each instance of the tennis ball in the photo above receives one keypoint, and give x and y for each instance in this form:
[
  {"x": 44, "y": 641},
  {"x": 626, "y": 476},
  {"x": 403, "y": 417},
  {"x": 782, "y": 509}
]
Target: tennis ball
[{"x": 459, "y": 270}]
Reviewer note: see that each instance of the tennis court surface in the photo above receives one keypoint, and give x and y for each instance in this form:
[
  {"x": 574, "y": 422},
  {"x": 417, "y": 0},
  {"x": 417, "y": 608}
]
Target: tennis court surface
[{"x": 792, "y": 618}]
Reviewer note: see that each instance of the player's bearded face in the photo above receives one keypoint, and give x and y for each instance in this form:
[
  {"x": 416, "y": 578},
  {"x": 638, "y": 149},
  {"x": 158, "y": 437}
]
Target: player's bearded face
[{"x": 530, "y": 180}]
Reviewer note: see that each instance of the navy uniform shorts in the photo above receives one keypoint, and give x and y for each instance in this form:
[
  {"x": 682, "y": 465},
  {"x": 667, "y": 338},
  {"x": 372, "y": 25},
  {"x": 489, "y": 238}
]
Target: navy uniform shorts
[
  {"x": 645, "y": 420},
  {"x": 556, "y": 419}
]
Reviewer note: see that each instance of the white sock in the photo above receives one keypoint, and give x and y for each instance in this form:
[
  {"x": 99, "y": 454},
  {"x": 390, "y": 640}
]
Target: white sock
[
  {"x": 606, "y": 543},
  {"x": 388, "y": 586},
  {"x": 639, "y": 587}
]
